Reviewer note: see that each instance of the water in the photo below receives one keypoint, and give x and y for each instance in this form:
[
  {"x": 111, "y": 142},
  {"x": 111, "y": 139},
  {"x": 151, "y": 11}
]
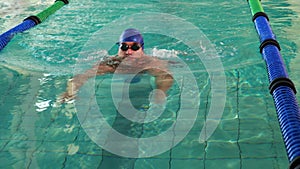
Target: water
[{"x": 37, "y": 132}]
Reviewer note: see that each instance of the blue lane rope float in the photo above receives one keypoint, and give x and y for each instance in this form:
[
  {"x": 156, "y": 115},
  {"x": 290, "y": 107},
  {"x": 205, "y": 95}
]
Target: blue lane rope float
[
  {"x": 281, "y": 87},
  {"x": 7, "y": 36},
  {"x": 30, "y": 22}
]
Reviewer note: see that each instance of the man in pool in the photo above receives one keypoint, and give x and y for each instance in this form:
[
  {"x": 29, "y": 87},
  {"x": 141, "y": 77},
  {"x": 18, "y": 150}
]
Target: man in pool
[{"x": 130, "y": 59}]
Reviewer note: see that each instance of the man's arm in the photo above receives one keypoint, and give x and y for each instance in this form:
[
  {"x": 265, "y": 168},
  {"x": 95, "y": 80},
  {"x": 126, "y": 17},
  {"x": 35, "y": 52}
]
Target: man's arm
[
  {"x": 163, "y": 80},
  {"x": 80, "y": 79},
  {"x": 77, "y": 81}
]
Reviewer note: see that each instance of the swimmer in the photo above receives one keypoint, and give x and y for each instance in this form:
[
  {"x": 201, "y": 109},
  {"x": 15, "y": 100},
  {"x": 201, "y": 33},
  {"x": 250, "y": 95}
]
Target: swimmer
[{"x": 130, "y": 59}]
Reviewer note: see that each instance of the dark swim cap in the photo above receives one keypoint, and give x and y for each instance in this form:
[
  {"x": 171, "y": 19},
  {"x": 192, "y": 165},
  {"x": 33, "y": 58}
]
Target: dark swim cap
[{"x": 132, "y": 35}]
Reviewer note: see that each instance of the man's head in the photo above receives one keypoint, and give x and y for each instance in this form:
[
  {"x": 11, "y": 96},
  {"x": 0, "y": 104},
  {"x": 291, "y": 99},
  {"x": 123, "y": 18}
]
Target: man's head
[{"x": 131, "y": 43}]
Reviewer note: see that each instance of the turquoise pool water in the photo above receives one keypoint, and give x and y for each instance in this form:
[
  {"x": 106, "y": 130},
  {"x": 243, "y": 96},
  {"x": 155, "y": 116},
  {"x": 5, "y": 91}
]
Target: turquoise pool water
[{"x": 37, "y": 132}]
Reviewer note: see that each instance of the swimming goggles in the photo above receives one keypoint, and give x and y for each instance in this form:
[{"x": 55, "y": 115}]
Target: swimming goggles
[{"x": 124, "y": 47}]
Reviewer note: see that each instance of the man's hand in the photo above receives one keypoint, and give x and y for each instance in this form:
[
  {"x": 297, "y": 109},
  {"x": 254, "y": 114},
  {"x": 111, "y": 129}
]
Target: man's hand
[
  {"x": 70, "y": 93},
  {"x": 158, "y": 97}
]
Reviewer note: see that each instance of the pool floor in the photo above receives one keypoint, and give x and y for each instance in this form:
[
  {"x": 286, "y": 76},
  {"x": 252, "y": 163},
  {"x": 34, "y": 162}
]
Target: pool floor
[{"x": 36, "y": 133}]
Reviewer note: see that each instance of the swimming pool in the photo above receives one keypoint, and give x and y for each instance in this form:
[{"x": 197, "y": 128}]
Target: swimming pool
[{"x": 36, "y": 132}]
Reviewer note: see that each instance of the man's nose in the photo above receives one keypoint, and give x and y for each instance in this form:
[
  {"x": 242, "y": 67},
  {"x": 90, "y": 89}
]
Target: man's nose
[{"x": 129, "y": 51}]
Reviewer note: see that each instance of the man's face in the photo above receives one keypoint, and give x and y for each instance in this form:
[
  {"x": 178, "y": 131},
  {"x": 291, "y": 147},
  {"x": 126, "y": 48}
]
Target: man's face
[{"x": 130, "y": 49}]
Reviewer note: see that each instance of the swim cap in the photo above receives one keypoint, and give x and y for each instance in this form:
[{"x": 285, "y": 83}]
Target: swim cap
[{"x": 132, "y": 35}]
